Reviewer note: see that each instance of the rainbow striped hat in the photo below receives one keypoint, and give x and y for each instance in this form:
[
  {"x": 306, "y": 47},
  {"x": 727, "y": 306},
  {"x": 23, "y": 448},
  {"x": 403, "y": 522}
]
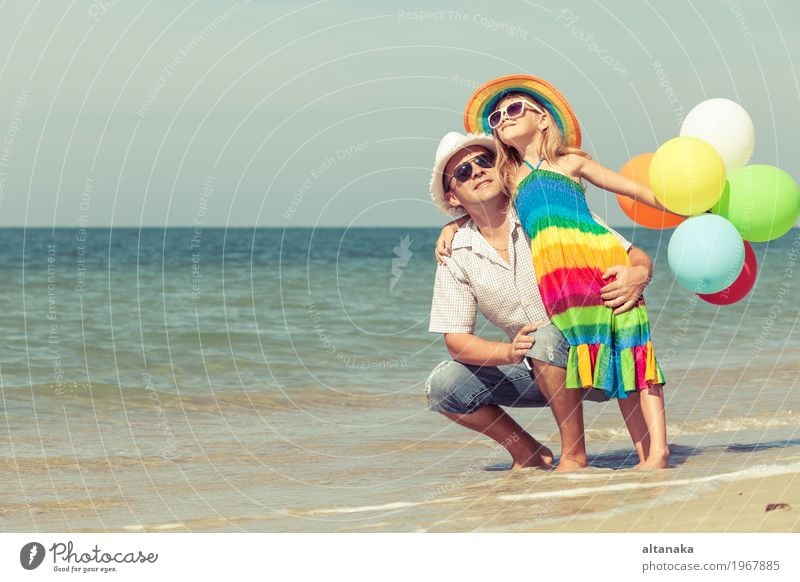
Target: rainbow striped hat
[{"x": 485, "y": 98}]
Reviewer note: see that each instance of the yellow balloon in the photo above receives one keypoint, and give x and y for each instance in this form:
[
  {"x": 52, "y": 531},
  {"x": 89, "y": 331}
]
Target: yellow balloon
[{"x": 687, "y": 175}]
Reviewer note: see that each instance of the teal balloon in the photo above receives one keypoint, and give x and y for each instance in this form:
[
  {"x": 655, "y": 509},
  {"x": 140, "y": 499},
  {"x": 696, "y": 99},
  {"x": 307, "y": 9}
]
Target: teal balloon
[
  {"x": 761, "y": 201},
  {"x": 706, "y": 253}
]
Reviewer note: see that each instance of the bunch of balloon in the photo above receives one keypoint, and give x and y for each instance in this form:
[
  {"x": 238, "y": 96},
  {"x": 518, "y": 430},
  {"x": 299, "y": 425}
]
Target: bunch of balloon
[{"x": 719, "y": 202}]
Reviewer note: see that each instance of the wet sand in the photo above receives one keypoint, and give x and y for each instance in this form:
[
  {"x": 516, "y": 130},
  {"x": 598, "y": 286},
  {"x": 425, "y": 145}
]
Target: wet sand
[{"x": 736, "y": 507}]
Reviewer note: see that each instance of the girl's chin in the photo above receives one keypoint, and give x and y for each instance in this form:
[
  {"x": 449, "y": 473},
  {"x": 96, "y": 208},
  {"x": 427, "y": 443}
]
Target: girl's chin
[{"x": 510, "y": 135}]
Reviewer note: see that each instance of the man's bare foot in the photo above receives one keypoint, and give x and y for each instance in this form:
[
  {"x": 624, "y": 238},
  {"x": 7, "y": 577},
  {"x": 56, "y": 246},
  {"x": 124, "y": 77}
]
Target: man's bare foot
[
  {"x": 542, "y": 458},
  {"x": 656, "y": 460},
  {"x": 567, "y": 465}
]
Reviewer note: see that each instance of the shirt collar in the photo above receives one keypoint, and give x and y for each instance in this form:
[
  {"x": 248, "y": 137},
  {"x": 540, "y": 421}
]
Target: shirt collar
[{"x": 468, "y": 236}]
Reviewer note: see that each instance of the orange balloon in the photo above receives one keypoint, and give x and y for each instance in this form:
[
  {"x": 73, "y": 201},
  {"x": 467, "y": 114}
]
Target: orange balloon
[{"x": 638, "y": 170}]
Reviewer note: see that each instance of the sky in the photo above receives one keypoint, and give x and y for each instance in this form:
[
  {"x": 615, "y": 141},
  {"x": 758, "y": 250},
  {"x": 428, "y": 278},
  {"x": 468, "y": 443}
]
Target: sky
[{"x": 328, "y": 113}]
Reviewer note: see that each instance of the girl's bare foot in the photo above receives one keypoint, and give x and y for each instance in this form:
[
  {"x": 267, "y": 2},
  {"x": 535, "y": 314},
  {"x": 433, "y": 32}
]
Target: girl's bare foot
[
  {"x": 638, "y": 465},
  {"x": 567, "y": 465},
  {"x": 656, "y": 460}
]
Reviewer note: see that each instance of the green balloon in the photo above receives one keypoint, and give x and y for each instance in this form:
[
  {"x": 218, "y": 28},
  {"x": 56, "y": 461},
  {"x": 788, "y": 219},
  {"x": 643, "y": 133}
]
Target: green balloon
[{"x": 761, "y": 201}]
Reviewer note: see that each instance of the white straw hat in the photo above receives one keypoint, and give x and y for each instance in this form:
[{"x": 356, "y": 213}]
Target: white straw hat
[{"x": 451, "y": 144}]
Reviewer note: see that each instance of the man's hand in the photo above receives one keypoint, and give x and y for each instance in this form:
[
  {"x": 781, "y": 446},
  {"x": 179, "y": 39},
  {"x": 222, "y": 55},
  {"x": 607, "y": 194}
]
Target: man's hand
[
  {"x": 623, "y": 293},
  {"x": 521, "y": 344}
]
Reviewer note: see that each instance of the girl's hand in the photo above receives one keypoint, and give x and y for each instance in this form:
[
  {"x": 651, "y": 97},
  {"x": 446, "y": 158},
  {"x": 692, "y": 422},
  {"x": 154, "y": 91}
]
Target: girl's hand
[
  {"x": 616, "y": 183},
  {"x": 445, "y": 241}
]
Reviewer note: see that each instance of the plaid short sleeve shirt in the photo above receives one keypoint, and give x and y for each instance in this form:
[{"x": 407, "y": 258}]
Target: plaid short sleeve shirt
[{"x": 476, "y": 278}]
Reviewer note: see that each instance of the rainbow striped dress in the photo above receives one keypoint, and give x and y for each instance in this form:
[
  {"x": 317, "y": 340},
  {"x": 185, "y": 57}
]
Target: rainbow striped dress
[{"x": 570, "y": 253}]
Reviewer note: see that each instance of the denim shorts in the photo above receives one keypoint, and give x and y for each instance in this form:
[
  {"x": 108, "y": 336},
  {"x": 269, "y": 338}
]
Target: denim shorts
[
  {"x": 550, "y": 346},
  {"x": 460, "y": 388}
]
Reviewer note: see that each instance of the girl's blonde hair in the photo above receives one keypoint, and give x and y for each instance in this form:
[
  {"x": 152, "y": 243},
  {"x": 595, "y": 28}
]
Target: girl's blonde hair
[{"x": 508, "y": 160}]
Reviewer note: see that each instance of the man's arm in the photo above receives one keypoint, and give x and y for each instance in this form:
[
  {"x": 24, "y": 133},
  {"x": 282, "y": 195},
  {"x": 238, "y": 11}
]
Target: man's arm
[
  {"x": 641, "y": 260},
  {"x": 453, "y": 313},
  {"x": 471, "y": 349}
]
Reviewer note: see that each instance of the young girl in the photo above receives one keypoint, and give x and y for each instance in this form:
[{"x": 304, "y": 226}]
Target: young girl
[{"x": 540, "y": 162}]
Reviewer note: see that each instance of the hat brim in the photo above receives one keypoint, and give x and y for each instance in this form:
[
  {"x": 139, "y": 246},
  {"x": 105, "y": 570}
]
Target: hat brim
[
  {"x": 437, "y": 187},
  {"x": 485, "y": 98}
]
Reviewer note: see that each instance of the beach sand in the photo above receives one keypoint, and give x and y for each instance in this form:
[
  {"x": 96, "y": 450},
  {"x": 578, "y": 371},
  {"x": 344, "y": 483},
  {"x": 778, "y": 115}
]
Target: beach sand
[{"x": 738, "y": 506}]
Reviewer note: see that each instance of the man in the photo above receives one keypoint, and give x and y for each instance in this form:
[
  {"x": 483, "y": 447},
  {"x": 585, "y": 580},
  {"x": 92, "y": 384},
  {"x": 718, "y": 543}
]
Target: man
[{"x": 490, "y": 269}]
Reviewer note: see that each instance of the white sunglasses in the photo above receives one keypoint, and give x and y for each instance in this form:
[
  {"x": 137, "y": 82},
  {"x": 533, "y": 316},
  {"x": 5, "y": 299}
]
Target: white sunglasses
[{"x": 513, "y": 110}]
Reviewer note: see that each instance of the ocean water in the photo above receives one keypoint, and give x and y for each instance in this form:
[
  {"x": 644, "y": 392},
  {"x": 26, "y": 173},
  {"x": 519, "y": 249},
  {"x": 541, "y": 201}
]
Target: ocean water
[{"x": 273, "y": 380}]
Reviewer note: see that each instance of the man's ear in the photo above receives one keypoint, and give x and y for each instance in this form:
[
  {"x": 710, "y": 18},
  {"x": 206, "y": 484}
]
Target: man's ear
[{"x": 451, "y": 199}]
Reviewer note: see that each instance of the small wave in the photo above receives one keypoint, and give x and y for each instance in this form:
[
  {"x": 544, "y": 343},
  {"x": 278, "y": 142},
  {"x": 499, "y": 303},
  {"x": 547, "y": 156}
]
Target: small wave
[
  {"x": 749, "y": 473},
  {"x": 63, "y": 505},
  {"x": 707, "y": 425},
  {"x": 383, "y": 507},
  {"x": 76, "y": 390},
  {"x": 201, "y": 399},
  {"x": 47, "y": 466}
]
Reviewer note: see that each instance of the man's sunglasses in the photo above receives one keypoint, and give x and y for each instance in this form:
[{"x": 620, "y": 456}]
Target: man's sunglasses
[
  {"x": 463, "y": 172},
  {"x": 512, "y": 110}
]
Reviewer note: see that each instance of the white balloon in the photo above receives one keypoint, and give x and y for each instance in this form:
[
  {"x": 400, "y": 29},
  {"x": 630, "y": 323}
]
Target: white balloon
[{"x": 726, "y": 126}]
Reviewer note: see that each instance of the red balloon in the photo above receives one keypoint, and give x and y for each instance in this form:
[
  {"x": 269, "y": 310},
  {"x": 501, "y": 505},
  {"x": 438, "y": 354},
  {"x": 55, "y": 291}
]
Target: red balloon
[{"x": 739, "y": 288}]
